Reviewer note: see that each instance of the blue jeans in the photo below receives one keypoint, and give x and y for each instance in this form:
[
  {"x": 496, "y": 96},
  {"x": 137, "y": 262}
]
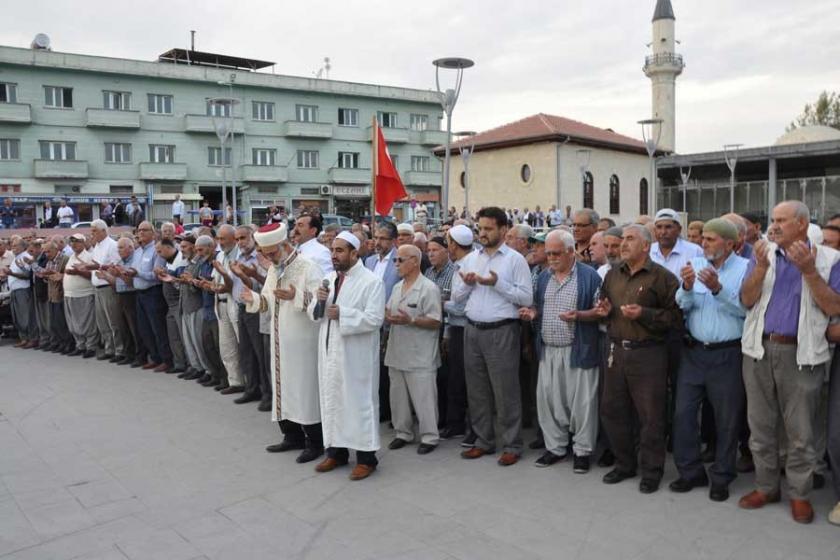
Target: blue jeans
[{"x": 716, "y": 375}]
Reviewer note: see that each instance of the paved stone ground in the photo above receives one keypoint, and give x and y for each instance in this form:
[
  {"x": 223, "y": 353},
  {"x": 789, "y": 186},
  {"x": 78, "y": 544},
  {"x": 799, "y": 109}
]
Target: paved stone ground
[{"x": 107, "y": 463}]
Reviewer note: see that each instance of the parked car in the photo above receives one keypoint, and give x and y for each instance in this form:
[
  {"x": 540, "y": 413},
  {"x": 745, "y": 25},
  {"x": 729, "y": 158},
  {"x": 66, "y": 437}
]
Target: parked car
[
  {"x": 189, "y": 227},
  {"x": 80, "y": 225},
  {"x": 344, "y": 222}
]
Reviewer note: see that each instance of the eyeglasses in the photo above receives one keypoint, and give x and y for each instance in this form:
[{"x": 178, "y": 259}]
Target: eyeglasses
[
  {"x": 401, "y": 260},
  {"x": 581, "y": 225},
  {"x": 554, "y": 253}
]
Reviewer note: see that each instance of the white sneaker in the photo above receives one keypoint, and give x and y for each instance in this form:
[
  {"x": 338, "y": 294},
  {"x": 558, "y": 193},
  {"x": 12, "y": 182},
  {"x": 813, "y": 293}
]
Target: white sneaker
[{"x": 834, "y": 516}]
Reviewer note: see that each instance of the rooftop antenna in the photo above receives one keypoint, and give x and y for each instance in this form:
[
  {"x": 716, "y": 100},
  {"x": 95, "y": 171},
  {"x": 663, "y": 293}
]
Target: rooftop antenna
[
  {"x": 192, "y": 39},
  {"x": 324, "y": 70}
]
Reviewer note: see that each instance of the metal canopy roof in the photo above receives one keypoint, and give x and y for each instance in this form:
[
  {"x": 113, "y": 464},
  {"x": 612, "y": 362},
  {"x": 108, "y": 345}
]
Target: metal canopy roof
[{"x": 199, "y": 58}]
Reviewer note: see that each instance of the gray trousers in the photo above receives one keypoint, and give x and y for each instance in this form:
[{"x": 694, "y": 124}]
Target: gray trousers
[
  {"x": 111, "y": 337},
  {"x": 191, "y": 325},
  {"x": 779, "y": 393},
  {"x": 173, "y": 332},
  {"x": 23, "y": 314},
  {"x": 567, "y": 401},
  {"x": 81, "y": 319},
  {"x": 417, "y": 389},
  {"x": 42, "y": 316},
  {"x": 491, "y": 365},
  {"x": 833, "y": 439}
]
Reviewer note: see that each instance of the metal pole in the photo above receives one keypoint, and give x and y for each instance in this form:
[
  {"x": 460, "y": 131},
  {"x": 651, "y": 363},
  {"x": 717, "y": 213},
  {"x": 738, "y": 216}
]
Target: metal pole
[
  {"x": 652, "y": 190},
  {"x": 232, "y": 118},
  {"x": 445, "y": 193},
  {"x": 732, "y": 190},
  {"x": 467, "y": 181},
  {"x": 224, "y": 180}
]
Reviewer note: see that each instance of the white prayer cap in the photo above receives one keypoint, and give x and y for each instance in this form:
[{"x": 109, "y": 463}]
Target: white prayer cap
[
  {"x": 405, "y": 228},
  {"x": 271, "y": 234},
  {"x": 462, "y": 235},
  {"x": 349, "y": 238},
  {"x": 420, "y": 237}
]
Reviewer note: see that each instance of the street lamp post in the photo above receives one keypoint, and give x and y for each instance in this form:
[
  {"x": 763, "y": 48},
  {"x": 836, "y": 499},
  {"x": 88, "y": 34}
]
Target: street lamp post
[
  {"x": 651, "y": 144},
  {"x": 448, "y": 100},
  {"x": 222, "y": 111},
  {"x": 466, "y": 153},
  {"x": 685, "y": 176},
  {"x": 730, "y": 153}
]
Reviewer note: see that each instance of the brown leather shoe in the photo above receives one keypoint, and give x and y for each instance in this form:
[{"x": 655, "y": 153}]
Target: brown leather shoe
[
  {"x": 802, "y": 511},
  {"x": 508, "y": 459},
  {"x": 476, "y": 452},
  {"x": 21, "y": 344},
  {"x": 233, "y": 390},
  {"x": 329, "y": 464},
  {"x": 162, "y": 368},
  {"x": 361, "y": 472},
  {"x": 756, "y": 499},
  {"x": 150, "y": 365},
  {"x": 30, "y": 345}
]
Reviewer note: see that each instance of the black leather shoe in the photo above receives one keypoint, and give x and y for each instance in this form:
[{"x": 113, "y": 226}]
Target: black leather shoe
[
  {"x": 615, "y": 476},
  {"x": 397, "y": 443},
  {"x": 194, "y": 375},
  {"x": 309, "y": 454},
  {"x": 124, "y": 361},
  {"x": 648, "y": 485},
  {"x": 682, "y": 485},
  {"x": 89, "y": 354},
  {"x": 104, "y": 357},
  {"x": 469, "y": 440},
  {"x": 449, "y": 433},
  {"x": 203, "y": 379},
  {"x": 247, "y": 397},
  {"x": 174, "y": 369},
  {"x": 136, "y": 364},
  {"x": 547, "y": 459},
  {"x": 607, "y": 459},
  {"x": 210, "y": 383},
  {"x": 116, "y": 358},
  {"x": 221, "y": 386},
  {"x": 76, "y": 352},
  {"x": 718, "y": 493},
  {"x": 184, "y": 374},
  {"x": 284, "y": 445},
  {"x": 425, "y": 448}
]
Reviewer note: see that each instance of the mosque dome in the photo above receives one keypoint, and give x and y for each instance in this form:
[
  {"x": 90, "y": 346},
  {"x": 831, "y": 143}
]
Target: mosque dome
[{"x": 807, "y": 134}]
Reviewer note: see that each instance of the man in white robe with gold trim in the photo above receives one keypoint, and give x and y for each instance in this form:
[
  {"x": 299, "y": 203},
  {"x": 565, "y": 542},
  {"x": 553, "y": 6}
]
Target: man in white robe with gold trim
[
  {"x": 290, "y": 284},
  {"x": 351, "y": 312}
]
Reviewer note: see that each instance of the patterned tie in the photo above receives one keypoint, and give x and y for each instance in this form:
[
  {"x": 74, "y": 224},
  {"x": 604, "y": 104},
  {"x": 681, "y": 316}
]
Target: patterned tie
[{"x": 339, "y": 280}]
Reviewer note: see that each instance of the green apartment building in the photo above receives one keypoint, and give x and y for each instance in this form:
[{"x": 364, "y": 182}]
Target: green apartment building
[{"x": 93, "y": 128}]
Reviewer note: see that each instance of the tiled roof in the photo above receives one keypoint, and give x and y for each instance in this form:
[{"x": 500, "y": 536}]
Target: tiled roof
[{"x": 542, "y": 127}]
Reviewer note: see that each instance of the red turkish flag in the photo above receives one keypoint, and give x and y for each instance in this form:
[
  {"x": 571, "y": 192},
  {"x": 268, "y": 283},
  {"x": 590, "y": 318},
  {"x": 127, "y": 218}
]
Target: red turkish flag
[{"x": 388, "y": 186}]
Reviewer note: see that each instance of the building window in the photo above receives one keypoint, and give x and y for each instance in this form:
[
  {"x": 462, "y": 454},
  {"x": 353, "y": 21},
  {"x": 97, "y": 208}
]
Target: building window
[
  {"x": 116, "y": 100},
  {"x": 307, "y": 159},
  {"x": 306, "y": 113},
  {"x": 263, "y": 111},
  {"x": 615, "y": 195},
  {"x": 58, "y": 150},
  {"x": 214, "y": 156},
  {"x": 525, "y": 173},
  {"x": 60, "y": 97},
  {"x": 387, "y": 120},
  {"x": 125, "y": 190},
  {"x": 264, "y": 156},
  {"x": 348, "y": 160},
  {"x": 8, "y": 93},
  {"x": 395, "y": 160},
  {"x": 160, "y": 104},
  {"x": 219, "y": 108},
  {"x": 643, "y": 196},
  {"x": 117, "y": 153},
  {"x": 588, "y": 190},
  {"x": 9, "y": 149},
  {"x": 161, "y": 153},
  {"x": 463, "y": 179},
  {"x": 348, "y": 117},
  {"x": 419, "y": 163},
  {"x": 419, "y": 122}
]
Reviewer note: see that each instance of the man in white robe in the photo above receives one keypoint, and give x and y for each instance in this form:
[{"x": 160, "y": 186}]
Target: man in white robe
[
  {"x": 289, "y": 286},
  {"x": 351, "y": 312}
]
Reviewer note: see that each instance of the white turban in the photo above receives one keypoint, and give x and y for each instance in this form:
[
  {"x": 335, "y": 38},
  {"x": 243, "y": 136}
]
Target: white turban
[
  {"x": 462, "y": 235},
  {"x": 271, "y": 234},
  {"x": 349, "y": 238}
]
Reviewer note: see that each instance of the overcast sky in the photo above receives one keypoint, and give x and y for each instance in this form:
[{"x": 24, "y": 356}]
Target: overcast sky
[{"x": 751, "y": 65}]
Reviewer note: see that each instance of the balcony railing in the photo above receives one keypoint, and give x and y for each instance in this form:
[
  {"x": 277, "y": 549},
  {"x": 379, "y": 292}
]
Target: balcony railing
[
  {"x": 264, "y": 173},
  {"x": 15, "y": 113},
  {"x": 107, "y": 118},
  {"x": 433, "y": 137},
  {"x": 61, "y": 169},
  {"x": 350, "y": 176},
  {"x": 670, "y": 60},
  {"x": 204, "y": 123},
  {"x": 301, "y": 129},
  {"x": 152, "y": 171},
  {"x": 394, "y": 135},
  {"x": 423, "y": 178}
]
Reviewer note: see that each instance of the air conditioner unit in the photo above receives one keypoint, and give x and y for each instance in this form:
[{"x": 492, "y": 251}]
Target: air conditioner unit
[{"x": 326, "y": 190}]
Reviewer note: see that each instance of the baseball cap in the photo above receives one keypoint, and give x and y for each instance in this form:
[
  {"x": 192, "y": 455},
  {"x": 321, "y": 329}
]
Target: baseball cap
[{"x": 667, "y": 214}]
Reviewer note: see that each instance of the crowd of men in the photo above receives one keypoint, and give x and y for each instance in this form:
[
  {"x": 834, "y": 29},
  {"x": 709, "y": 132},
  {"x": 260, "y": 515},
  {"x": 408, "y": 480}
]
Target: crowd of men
[{"x": 615, "y": 343}]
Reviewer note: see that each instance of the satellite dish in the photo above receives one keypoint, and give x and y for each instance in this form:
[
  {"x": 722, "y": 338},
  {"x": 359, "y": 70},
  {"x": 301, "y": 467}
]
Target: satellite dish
[{"x": 41, "y": 42}]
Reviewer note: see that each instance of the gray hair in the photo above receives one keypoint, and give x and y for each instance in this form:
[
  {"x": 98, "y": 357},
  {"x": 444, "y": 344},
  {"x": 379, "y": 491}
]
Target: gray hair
[
  {"x": 125, "y": 241},
  {"x": 413, "y": 249},
  {"x": 563, "y": 236},
  {"x": 522, "y": 231},
  {"x": 593, "y": 216},
  {"x": 738, "y": 222},
  {"x": 167, "y": 225},
  {"x": 205, "y": 241},
  {"x": 332, "y": 227},
  {"x": 643, "y": 231},
  {"x": 99, "y": 224},
  {"x": 800, "y": 209},
  {"x": 225, "y": 228}
]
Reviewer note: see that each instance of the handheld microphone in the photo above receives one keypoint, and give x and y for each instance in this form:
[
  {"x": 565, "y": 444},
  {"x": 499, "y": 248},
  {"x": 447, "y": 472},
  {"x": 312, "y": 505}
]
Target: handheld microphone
[{"x": 321, "y": 305}]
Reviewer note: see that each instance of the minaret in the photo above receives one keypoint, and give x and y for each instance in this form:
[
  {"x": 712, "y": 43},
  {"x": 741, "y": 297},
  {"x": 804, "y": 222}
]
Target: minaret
[{"x": 662, "y": 67}]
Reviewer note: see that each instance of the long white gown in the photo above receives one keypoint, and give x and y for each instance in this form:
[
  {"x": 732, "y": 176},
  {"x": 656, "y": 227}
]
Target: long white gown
[{"x": 348, "y": 371}]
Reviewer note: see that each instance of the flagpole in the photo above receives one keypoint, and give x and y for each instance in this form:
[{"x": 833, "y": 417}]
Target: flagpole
[{"x": 374, "y": 169}]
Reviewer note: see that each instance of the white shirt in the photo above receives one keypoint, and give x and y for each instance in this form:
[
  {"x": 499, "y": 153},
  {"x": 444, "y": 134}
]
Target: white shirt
[
  {"x": 178, "y": 208},
  {"x": 104, "y": 252},
  {"x": 682, "y": 252},
  {"x": 22, "y": 268},
  {"x": 315, "y": 251},
  {"x": 65, "y": 215},
  {"x": 603, "y": 269},
  {"x": 488, "y": 304},
  {"x": 74, "y": 285},
  {"x": 382, "y": 265},
  {"x": 48, "y": 214}
]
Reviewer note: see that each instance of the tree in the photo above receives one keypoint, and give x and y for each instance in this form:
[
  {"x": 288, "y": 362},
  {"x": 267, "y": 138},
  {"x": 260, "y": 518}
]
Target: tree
[{"x": 825, "y": 111}]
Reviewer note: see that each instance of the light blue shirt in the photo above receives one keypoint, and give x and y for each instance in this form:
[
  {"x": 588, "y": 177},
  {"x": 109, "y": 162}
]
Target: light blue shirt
[
  {"x": 488, "y": 304},
  {"x": 144, "y": 261},
  {"x": 715, "y": 318},
  {"x": 119, "y": 285},
  {"x": 682, "y": 252}
]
